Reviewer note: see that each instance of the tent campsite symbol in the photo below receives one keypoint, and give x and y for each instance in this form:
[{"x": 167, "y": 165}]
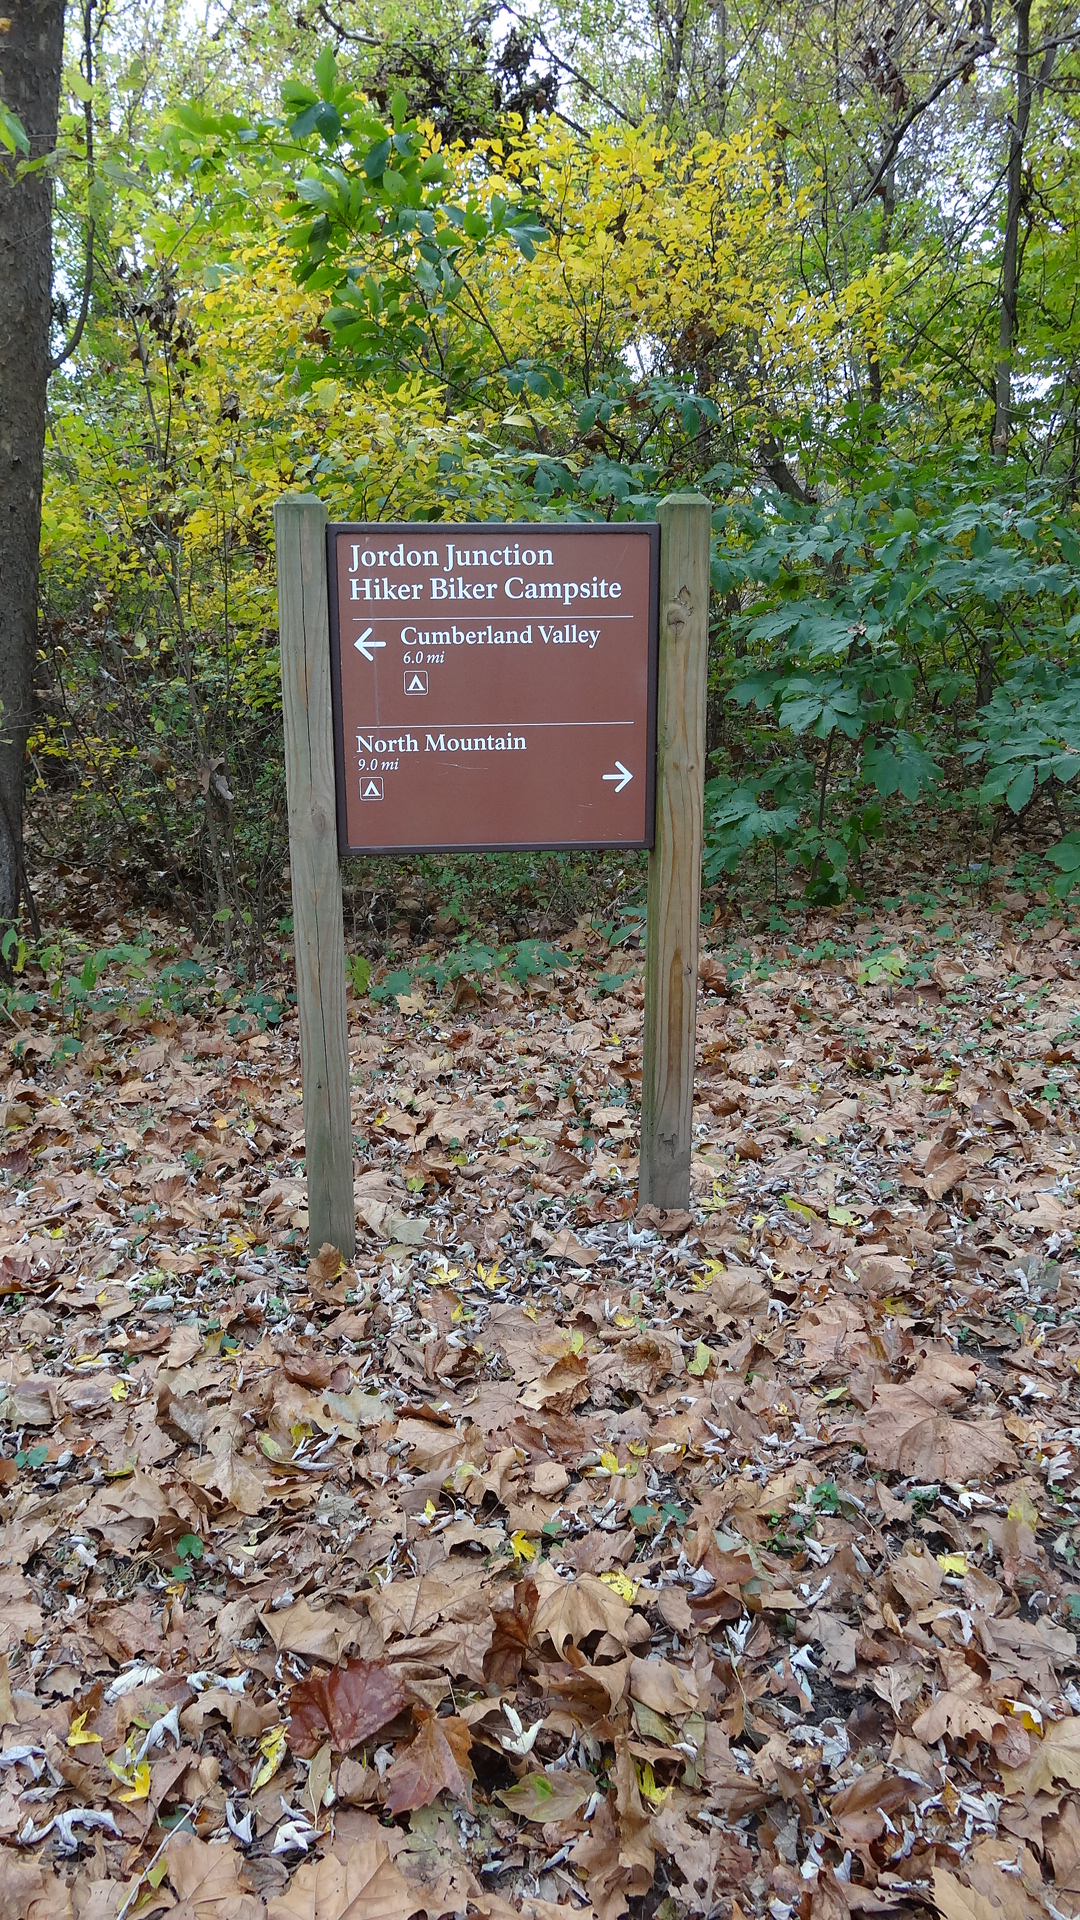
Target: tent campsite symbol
[
  {"x": 371, "y": 789},
  {"x": 416, "y": 682}
]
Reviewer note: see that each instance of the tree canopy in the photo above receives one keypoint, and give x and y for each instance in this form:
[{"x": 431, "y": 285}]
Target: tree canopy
[{"x": 820, "y": 262}]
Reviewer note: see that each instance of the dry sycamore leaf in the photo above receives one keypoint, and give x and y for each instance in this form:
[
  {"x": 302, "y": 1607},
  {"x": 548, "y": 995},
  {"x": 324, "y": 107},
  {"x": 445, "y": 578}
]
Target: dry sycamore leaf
[
  {"x": 1055, "y": 1761},
  {"x": 346, "y": 1706},
  {"x": 557, "y": 1795},
  {"x": 206, "y": 1880},
  {"x": 934, "y": 1447},
  {"x": 957, "y": 1715},
  {"x": 857, "y": 1809},
  {"x": 738, "y": 1293},
  {"x": 665, "y": 1688},
  {"x": 1061, "y": 1838},
  {"x": 569, "y": 1611},
  {"x": 325, "y": 1267},
  {"x": 436, "y": 1761},
  {"x": 366, "y": 1885},
  {"x": 916, "y": 1577},
  {"x": 563, "y": 1387},
  {"x": 321, "y": 1635},
  {"x": 838, "y": 1641},
  {"x": 566, "y": 1246},
  {"x": 1009, "y": 1900},
  {"x": 24, "y": 1889},
  {"x": 941, "y": 1173}
]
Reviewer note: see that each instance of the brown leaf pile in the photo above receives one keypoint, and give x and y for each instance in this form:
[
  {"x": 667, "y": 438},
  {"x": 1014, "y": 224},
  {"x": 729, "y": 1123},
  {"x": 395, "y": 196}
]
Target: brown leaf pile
[{"x": 552, "y": 1556}]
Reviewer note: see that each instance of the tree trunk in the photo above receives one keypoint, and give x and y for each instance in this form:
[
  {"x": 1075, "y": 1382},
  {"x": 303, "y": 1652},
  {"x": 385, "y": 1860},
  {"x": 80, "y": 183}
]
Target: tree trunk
[
  {"x": 31, "y": 56},
  {"x": 1010, "y": 259},
  {"x": 883, "y": 249}
]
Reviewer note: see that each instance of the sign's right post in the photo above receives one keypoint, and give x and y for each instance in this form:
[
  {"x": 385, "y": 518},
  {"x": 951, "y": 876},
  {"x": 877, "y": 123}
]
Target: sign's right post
[{"x": 674, "y": 891}]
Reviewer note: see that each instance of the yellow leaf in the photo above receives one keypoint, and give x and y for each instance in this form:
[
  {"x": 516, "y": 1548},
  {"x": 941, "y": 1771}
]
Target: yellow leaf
[
  {"x": 272, "y": 1748},
  {"x": 531, "y": 1314},
  {"x": 701, "y": 1361},
  {"x": 624, "y": 1319},
  {"x": 119, "y": 1390},
  {"x": 952, "y": 1562},
  {"x": 1022, "y": 1509},
  {"x": 140, "y": 1784},
  {"x": 843, "y": 1217},
  {"x": 78, "y": 1736},
  {"x": 618, "y": 1582},
  {"x": 798, "y": 1206},
  {"x": 132, "y": 1774},
  {"x": 577, "y": 1341},
  {"x": 524, "y": 1549},
  {"x": 609, "y": 1460},
  {"x": 271, "y": 1447},
  {"x": 647, "y": 1780}
]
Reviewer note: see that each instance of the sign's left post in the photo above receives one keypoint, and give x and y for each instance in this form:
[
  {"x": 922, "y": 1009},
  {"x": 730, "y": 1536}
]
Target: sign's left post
[{"x": 318, "y": 929}]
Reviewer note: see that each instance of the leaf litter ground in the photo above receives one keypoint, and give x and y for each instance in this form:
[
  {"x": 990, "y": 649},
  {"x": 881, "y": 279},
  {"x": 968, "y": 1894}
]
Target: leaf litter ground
[{"x": 554, "y": 1556}]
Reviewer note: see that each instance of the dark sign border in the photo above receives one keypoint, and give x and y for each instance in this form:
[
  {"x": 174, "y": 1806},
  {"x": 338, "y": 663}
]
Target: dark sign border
[{"x": 385, "y": 528}]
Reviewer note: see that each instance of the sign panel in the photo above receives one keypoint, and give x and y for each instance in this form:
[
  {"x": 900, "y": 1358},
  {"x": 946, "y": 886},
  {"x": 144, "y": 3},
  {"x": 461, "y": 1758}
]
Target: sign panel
[{"x": 494, "y": 686}]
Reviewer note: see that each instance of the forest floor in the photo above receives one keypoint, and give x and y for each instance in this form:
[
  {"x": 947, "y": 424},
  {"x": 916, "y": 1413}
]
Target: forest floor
[{"x": 555, "y": 1556}]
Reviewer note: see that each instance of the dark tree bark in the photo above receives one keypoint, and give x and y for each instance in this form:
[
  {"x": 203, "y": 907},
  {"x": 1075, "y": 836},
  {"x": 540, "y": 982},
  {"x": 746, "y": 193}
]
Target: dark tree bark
[
  {"x": 31, "y": 57},
  {"x": 1014, "y": 203}
]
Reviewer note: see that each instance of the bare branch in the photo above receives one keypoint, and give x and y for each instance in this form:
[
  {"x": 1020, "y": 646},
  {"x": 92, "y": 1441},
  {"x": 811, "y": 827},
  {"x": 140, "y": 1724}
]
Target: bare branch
[{"x": 975, "y": 50}]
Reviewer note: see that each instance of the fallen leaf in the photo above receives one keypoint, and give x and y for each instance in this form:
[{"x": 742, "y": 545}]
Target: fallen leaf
[
  {"x": 317, "y": 1634},
  {"x": 346, "y": 1706},
  {"x": 436, "y": 1761},
  {"x": 206, "y": 1878},
  {"x": 557, "y": 1795},
  {"x": 365, "y": 1885}
]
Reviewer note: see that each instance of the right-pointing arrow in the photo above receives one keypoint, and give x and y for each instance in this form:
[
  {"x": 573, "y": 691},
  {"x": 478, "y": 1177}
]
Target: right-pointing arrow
[{"x": 622, "y": 776}]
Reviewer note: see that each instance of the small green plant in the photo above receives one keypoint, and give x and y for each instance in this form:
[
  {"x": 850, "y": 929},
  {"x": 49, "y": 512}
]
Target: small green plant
[{"x": 189, "y": 1551}]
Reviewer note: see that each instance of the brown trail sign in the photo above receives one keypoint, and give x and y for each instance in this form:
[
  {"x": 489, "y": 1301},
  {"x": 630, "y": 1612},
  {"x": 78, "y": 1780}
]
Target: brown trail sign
[
  {"x": 465, "y": 688},
  {"x": 493, "y": 686}
]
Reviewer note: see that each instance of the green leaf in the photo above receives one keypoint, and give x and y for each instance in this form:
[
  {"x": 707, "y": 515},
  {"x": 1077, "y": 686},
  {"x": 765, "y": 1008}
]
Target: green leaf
[
  {"x": 359, "y": 972},
  {"x": 327, "y": 120},
  {"x": 1066, "y": 855},
  {"x": 12, "y": 131},
  {"x": 1020, "y": 790},
  {"x": 905, "y": 768},
  {"x": 326, "y": 72},
  {"x": 376, "y": 158},
  {"x": 78, "y": 84}
]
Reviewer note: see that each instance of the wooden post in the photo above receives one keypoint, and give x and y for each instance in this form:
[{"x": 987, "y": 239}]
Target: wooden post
[
  {"x": 674, "y": 893},
  {"x": 318, "y": 932}
]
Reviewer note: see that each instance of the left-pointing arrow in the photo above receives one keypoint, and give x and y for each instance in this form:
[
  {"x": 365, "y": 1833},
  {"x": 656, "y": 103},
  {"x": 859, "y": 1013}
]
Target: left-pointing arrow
[
  {"x": 622, "y": 776},
  {"x": 365, "y": 644}
]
